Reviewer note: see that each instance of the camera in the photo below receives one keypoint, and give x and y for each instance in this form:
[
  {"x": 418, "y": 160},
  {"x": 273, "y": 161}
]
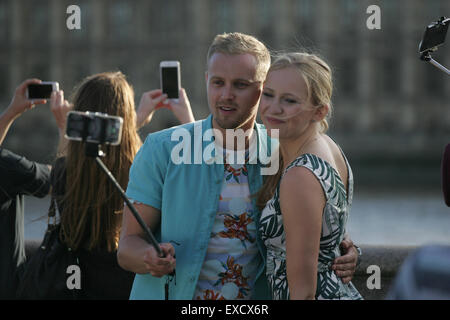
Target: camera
[
  {"x": 94, "y": 127},
  {"x": 41, "y": 90}
]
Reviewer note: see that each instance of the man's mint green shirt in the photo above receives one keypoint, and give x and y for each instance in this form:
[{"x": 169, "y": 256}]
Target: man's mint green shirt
[{"x": 187, "y": 196}]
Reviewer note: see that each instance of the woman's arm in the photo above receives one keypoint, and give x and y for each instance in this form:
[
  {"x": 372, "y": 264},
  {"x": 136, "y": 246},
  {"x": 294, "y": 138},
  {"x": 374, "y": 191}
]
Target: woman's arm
[
  {"x": 155, "y": 99},
  {"x": 60, "y": 108},
  {"x": 302, "y": 202}
]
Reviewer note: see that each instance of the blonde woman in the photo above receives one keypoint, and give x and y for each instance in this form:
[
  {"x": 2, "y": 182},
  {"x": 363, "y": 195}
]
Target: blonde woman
[{"x": 308, "y": 201}]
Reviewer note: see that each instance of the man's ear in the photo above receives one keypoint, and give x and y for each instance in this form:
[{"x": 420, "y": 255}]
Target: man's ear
[{"x": 321, "y": 112}]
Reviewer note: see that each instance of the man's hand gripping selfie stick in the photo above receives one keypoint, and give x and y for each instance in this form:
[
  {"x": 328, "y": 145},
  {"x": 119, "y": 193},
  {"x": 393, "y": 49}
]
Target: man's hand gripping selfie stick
[{"x": 93, "y": 150}]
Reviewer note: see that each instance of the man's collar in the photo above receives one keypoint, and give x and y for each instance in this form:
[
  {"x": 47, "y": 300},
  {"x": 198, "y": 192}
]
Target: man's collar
[{"x": 258, "y": 144}]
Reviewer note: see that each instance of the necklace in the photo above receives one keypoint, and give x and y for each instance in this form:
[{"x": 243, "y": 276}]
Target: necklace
[{"x": 304, "y": 144}]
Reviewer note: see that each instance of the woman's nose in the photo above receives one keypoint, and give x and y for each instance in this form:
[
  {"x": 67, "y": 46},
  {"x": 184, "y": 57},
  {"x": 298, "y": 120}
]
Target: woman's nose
[{"x": 274, "y": 107}]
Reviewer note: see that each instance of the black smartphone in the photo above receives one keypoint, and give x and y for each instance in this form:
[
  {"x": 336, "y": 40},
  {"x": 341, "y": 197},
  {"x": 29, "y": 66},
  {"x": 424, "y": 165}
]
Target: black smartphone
[
  {"x": 434, "y": 35},
  {"x": 170, "y": 78},
  {"x": 42, "y": 90}
]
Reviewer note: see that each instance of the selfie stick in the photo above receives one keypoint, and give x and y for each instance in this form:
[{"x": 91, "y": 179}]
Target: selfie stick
[
  {"x": 93, "y": 150},
  {"x": 426, "y": 56}
]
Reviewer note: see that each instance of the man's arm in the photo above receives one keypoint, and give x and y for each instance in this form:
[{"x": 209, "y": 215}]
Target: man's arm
[
  {"x": 345, "y": 265},
  {"x": 135, "y": 254}
]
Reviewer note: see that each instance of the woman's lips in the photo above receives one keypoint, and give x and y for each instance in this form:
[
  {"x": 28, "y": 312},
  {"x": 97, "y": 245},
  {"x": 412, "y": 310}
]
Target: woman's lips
[{"x": 273, "y": 120}]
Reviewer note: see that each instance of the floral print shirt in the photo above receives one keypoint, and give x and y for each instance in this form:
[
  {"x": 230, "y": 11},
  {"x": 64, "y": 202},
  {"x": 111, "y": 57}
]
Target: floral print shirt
[{"x": 232, "y": 257}]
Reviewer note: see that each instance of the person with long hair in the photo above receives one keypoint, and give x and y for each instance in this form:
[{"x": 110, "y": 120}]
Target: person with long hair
[
  {"x": 306, "y": 204},
  {"x": 89, "y": 205}
]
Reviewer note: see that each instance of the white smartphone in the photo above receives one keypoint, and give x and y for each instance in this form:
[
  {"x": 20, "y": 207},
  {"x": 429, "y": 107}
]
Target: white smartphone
[
  {"x": 170, "y": 79},
  {"x": 41, "y": 90}
]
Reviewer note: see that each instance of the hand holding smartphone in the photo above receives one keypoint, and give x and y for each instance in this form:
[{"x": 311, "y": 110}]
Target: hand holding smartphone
[{"x": 170, "y": 79}]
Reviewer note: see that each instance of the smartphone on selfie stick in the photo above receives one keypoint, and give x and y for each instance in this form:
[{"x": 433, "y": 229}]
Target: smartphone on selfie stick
[
  {"x": 425, "y": 274},
  {"x": 96, "y": 129},
  {"x": 433, "y": 38},
  {"x": 170, "y": 79}
]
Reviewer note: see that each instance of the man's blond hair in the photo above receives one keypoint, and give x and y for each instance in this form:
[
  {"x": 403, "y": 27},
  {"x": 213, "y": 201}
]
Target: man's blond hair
[{"x": 239, "y": 43}]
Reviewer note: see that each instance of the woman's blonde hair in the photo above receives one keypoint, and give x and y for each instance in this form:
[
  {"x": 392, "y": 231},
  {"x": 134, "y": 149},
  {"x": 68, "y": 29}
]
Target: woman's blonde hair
[
  {"x": 92, "y": 211},
  {"x": 317, "y": 75}
]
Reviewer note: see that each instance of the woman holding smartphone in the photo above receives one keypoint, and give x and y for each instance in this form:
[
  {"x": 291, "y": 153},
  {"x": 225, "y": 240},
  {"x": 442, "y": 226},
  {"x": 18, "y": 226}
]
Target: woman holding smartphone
[{"x": 90, "y": 208}]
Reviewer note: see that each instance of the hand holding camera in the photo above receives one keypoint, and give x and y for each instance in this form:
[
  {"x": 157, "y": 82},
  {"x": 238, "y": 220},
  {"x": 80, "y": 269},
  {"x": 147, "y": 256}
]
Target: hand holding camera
[
  {"x": 24, "y": 99},
  {"x": 20, "y": 102}
]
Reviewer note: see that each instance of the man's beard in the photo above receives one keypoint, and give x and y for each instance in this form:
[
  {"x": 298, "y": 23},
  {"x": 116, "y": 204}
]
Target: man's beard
[{"x": 230, "y": 123}]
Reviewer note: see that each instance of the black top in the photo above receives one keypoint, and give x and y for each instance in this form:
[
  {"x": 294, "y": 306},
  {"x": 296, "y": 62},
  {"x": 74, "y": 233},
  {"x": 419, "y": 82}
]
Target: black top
[
  {"x": 18, "y": 176},
  {"x": 101, "y": 275}
]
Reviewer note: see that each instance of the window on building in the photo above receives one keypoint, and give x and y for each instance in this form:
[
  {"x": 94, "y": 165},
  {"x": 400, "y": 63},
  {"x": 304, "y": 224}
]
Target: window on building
[
  {"x": 37, "y": 67},
  {"x": 38, "y": 28},
  {"x": 224, "y": 16},
  {"x": 5, "y": 91},
  {"x": 388, "y": 63},
  {"x": 4, "y": 9},
  {"x": 121, "y": 15},
  {"x": 303, "y": 16}
]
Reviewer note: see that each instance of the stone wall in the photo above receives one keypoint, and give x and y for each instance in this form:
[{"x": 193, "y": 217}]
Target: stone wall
[{"x": 389, "y": 259}]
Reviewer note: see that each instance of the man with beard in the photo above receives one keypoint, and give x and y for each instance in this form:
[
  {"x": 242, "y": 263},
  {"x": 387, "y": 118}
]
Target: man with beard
[{"x": 206, "y": 210}]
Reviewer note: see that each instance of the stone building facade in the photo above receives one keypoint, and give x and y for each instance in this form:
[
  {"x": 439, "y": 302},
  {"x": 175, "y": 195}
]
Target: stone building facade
[{"x": 391, "y": 110}]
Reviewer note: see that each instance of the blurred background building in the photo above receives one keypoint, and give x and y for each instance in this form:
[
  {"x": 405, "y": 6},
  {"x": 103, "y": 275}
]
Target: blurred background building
[{"x": 391, "y": 110}]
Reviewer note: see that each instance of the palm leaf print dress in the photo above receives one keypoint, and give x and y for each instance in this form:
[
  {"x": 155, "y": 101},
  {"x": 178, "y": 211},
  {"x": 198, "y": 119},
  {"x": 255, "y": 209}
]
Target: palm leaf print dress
[{"x": 334, "y": 219}]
